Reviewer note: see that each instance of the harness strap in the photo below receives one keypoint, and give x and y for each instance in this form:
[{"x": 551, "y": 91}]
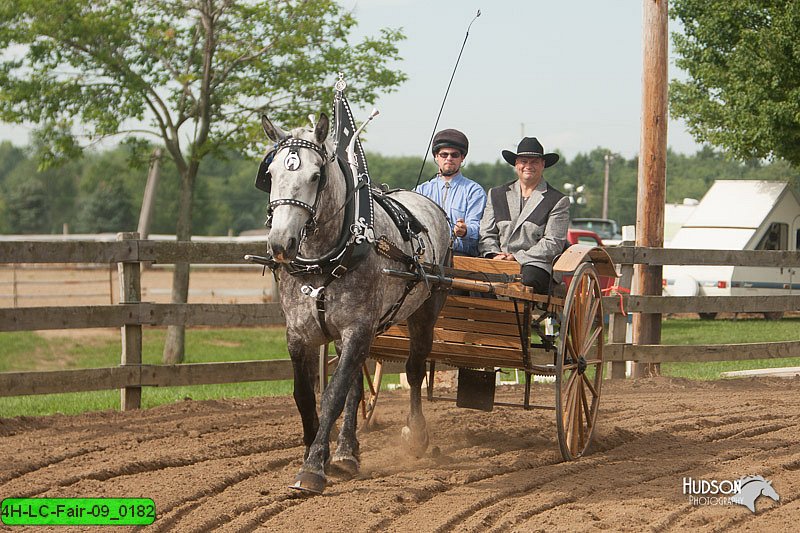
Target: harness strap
[
  {"x": 384, "y": 247},
  {"x": 404, "y": 219},
  {"x": 319, "y": 292},
  {"x": 358, "y": 248},
  {"x": 320, "y": 305},
  {"x": 388, "y": 249},
  {"x": 290, "y": 201},
  {"x": 294, "y": 143},
  {"x": 388, "y": 317},
  {"x": 422, "y": 269}
]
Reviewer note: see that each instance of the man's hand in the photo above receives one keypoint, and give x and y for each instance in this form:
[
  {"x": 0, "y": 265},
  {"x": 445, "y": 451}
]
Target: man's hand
[
  {"x": 460, "y": 228},
  {"x": 502, "y": 256}
]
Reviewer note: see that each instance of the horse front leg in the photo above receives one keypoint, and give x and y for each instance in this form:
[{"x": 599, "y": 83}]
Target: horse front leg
[
  {"x": 355, "y": 345},
  {"x": 345, "y": 460},
  {"x": 305, "y": 368}
]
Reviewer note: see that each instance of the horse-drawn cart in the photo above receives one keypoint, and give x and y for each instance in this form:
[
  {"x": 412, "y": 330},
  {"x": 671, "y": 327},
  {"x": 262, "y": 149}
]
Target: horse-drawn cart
[
  {"x": 504, "y": 325},
  {"x": 332, "y": 235}
]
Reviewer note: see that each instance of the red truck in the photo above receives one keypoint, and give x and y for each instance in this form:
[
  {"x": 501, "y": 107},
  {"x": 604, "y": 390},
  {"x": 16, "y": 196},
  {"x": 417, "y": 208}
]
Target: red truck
[{"x": 584, "y": 236}]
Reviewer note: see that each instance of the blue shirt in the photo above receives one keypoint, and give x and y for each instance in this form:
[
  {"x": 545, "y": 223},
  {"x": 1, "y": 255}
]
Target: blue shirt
[{"x": 466, "y": 200}]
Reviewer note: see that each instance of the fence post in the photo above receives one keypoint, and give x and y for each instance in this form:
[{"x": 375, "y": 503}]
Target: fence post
[
  {"x": 276, "y": 293},
  {"x": 111, "y": 284},
  {"x": 130, "y": 291},
  {"x": 619, "y": 323},
  {"x": 14, "y": 284}
]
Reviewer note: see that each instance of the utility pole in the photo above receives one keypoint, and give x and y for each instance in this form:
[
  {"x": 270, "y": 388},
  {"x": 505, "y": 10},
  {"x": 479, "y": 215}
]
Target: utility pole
[
  {"x": 651, "y": 189},
  {"x": 608, "y": 158}
]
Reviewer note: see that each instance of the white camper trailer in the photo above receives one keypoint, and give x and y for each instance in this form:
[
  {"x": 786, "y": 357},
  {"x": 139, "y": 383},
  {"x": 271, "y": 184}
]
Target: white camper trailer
[{"x": 738, "y": 215}]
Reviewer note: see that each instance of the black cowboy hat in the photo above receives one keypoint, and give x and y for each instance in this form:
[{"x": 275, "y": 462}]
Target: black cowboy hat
[{"x": 530, "y": 147}]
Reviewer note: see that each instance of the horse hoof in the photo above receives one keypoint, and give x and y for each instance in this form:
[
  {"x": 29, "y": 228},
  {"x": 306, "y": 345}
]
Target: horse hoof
[
  {"x": 415, "y": 444},
  {"x": 345, "y": 466},
  {"x": 309, "y": 483}
]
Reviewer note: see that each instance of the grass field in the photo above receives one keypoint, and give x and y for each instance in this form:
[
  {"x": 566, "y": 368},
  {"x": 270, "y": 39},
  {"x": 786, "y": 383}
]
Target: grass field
[
  {"x": 65, "y": 350},
  {"x": 690, "y": 331},
  {"x": 62, "y": 350}
]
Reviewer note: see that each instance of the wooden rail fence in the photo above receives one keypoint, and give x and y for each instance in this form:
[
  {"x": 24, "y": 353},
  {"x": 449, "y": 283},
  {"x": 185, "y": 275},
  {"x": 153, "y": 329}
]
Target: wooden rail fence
[{"x": 131, "y": 314}]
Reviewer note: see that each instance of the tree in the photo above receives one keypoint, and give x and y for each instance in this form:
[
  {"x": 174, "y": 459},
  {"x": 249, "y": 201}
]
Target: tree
[
  {"x": 398, "y": 171},
  {"x": 193, "y": 73},
  {"x": 10, "y": 157},
  {"x": 27, "y": 208},
  {"x": 743, "y": 63},
  {"x": 51, "y": 204},
  {"x": 107, "y": 208}
]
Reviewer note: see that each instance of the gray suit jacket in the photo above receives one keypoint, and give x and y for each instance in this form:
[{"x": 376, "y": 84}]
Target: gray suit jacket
[{"x": 533, "y": 237}]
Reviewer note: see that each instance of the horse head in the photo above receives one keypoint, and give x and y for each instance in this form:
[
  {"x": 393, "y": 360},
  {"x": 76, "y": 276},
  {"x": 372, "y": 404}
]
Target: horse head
[
  {"x": 768, "y": 491},
  {"x": 752, "y": 487},
  {"x": 296, "y": 179}
]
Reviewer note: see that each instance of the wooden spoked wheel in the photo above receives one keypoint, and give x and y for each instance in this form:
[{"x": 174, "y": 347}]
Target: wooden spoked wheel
[
  {"x": 579, "y": 363},
  {"x": 370, "y": 398}
]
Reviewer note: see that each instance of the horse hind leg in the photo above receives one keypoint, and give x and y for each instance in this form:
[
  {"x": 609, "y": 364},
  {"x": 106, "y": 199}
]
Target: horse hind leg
[
  {"x": 345, "y": 461},
  {"x": 420, "y": 325}
]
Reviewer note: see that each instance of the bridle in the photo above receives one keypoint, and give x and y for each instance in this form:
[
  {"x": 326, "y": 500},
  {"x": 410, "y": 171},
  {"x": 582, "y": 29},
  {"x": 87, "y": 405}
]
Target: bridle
[
  {"x": 333, "y": 257},
  {"x": 292, "y": 158}
]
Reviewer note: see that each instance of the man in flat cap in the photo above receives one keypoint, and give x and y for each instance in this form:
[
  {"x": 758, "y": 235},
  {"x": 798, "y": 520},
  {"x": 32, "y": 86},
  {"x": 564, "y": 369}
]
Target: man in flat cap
[
  {"x": 526, "y": 220},
  {"x": 461, "y": 198}
]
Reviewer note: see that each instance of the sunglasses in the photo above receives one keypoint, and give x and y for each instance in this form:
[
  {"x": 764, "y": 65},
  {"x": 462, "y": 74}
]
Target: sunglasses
[{"x": 453, "y": 155}]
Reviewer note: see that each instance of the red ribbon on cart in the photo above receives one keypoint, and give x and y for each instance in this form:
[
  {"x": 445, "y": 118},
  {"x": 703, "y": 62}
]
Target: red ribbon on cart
[{"x": 618, "y": 291}]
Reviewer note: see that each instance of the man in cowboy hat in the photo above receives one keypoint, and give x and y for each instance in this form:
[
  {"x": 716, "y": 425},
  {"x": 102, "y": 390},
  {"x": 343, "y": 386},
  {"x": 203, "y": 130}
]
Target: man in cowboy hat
[
  {"x": 461, "y": 198},
  {"x": 526, "y": 220}
]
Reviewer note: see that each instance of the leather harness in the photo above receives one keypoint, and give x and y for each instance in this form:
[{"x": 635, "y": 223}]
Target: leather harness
[{"x": 357, "y": 237}]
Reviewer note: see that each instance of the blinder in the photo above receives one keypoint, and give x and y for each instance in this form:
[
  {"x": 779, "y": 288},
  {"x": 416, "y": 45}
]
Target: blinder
[{"x": 264, "y": 178}]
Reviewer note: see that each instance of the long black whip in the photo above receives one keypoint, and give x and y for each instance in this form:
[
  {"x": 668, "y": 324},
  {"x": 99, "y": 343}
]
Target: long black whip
[{"x": 430, "y": 141}]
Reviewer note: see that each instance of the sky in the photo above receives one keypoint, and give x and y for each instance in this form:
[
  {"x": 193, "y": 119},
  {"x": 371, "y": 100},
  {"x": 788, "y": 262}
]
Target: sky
[{"x": 567, "y": 72}]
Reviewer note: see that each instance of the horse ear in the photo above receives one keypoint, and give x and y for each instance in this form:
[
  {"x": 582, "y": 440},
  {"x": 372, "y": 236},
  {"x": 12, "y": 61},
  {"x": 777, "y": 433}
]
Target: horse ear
[
  {"x": 274, "y": 133},
  {"x": 321, "y": 130}
]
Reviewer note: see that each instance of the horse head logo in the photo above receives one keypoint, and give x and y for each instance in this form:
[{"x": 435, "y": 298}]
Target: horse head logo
[{"x": 752, "y": 487}]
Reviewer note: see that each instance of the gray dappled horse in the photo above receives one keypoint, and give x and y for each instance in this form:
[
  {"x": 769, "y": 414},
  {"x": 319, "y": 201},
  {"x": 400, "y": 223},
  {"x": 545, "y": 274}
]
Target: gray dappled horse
[{"x": 307, "y": 200}]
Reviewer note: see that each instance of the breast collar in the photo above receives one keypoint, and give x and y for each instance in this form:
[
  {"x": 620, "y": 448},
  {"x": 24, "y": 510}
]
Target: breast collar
[{"x": 355, "y": 238}]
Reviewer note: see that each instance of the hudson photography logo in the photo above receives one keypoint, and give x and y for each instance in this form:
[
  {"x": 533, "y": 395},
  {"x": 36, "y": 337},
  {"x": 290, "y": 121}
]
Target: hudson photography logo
[{"x": 744, "y": 491}]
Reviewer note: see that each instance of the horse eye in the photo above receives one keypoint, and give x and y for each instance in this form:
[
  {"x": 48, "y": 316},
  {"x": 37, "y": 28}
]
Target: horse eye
[{"x": 315, "y": 176}]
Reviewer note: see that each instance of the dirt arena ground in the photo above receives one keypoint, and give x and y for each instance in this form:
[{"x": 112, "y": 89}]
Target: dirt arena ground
[{"x": 225, "y": 465}]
